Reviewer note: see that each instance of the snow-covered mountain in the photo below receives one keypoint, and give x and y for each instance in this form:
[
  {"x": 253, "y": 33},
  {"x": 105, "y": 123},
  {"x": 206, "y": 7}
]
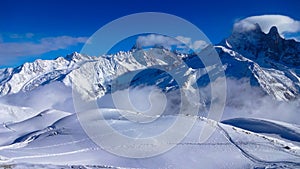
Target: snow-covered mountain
[
  {"x": 270, "y": 61},
  {"x": 258, "y": 46},
  {"x": 52, "y": 134},
  {"x": 29, "y": 76}
]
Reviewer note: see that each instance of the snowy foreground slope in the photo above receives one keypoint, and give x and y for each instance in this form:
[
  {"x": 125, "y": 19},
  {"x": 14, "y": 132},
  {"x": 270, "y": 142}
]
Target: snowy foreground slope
[
  {"x": 64, "y": 143},
  {"x": 40, "y": 129}
]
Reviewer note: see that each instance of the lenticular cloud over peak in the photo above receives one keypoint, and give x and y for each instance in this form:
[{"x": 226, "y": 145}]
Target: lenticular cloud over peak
[{"x": 285, "y": 24}]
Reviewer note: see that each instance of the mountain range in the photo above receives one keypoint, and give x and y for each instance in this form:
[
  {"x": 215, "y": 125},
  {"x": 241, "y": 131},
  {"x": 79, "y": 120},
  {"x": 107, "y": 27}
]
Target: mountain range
[
  {"x": 270, "y": 61},
  {"x": 53, "y": 135}
]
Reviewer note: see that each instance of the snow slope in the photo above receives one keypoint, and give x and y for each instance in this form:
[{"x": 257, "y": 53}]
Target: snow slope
[
  {"x": 64, "y": 143},
  {"x": 285, "y": 131}
]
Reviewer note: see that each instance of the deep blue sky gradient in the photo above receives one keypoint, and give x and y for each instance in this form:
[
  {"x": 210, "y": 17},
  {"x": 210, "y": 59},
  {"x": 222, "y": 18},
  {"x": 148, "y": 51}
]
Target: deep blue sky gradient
[{"x": 51, "y": 18}]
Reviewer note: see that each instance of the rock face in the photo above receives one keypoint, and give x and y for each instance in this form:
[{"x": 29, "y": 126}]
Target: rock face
[{"x": 256, "y": 45}]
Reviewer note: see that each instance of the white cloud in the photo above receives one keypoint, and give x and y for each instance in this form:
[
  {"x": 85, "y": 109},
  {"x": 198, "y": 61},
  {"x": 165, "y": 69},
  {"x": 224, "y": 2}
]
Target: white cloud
[
  {"x": 284, "y": 24},
  {"x": 148, "y": 100},
  {"x": 54, "y": 95},
  {"x": 185, "y": 40},
  {"x": 244, "y": 100},
  {"x": 195, "y": 45},
  {"x": 180, "y": 42},
  {"x": 156, "y": 40},
  {"x": 11, "y": 50}
]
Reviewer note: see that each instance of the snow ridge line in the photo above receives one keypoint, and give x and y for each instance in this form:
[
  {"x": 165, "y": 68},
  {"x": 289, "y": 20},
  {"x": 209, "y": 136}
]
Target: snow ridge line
[{"x": 254, "y": 158}]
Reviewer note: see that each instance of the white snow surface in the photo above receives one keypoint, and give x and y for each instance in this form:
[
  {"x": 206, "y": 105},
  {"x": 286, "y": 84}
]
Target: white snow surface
[{"x": 61, "y": 142}]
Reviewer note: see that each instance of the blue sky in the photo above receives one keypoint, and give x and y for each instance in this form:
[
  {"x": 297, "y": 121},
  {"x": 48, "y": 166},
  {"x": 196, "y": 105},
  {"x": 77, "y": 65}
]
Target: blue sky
[{"x": 59, "y": 27}]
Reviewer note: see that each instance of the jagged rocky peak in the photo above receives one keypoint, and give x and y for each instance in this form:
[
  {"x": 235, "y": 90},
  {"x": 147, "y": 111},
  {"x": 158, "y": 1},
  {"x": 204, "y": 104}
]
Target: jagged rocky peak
[
  {"x": 255, "y": 44},
  {"x": 274, "y": 34},
  {"x": 73, "y": 56},
  {"x": 257, "y": 27},
  {"x": 273, "y": 31}
]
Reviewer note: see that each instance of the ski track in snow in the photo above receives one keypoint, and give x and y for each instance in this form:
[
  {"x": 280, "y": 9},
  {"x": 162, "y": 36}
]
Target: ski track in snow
[
  {"x": 13, "y": 148},
  {"x": 256, "y": 159}
]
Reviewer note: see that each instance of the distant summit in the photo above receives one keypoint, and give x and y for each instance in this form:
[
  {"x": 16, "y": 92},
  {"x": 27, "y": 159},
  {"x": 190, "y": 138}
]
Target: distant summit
[
  {"x": 255, "y": 44},
  {"x": 273, "y": 31}
]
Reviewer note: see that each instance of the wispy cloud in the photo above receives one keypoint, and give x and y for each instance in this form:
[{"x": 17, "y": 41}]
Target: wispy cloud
[
  {"x": 54, "y": 95},
  {"x": 195, "y": 45},
  {"x": 244, "y": 100},
  {"x": 180, "y": 42},
  {"x": 18, "y": 49},
  {"x": 284, "y": 24},
  {"x": 156, "y": 40},
  {"x": 21, "y": 36}
]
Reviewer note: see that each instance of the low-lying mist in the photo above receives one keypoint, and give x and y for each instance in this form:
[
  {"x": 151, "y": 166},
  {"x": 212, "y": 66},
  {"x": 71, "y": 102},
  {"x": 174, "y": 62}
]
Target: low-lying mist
[
  {"x": 243, "y": 100},
  {"x": 54, "y": 95}
]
